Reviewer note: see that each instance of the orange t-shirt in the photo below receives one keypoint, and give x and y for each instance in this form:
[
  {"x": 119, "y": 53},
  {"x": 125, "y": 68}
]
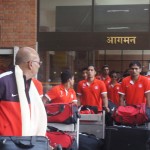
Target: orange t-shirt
[
  {"x": 58, "y": 94},
  {"x": 113, "y": 93},
  {"x": 80, "y": 84},
  {"x": 148, "y": 77},
  {"x": 134, "y": 92},
  {"x": 91, "y": 94},
  {"x": 38, "y": 86},
  {"x": 105, "y": 80}
]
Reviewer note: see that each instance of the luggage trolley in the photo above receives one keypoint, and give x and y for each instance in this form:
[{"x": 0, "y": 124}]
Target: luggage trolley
[
  {"x": 72, "y": 129},
  {"x": 93, "y": 124},
  {"x": 58, "y": 109}
]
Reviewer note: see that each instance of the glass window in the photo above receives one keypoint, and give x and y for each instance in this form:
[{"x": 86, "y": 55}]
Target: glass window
[
  {"x": 132, "y": 55},
  {"x": 65, "y": 15},
  {"x": 121, "y": 16},
  {"x": 99, "y": 59},
  {"x": 113, "y": 54},
  {"x": 54, "y": 62},
  {"x": 146, "y": 62},
  {"x": 109, "y": 16},
  {"x": 110, "y": 57},
  {"x": 146, "y": 55}
]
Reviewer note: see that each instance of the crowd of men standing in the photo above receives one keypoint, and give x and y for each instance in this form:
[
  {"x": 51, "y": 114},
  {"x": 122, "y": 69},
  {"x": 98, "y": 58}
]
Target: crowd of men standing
[{"x": 107, "y": 86}]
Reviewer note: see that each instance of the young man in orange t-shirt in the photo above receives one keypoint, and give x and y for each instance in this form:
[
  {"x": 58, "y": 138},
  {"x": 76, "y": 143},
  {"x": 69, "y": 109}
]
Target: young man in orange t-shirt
[
  {"x": 93, "y": 91},
  {"x": 84, "y": 73},
  {"x": 135, "y": 89},
  {"x": 112, "y": 88},
  {"x": 63, "y": 93},
  {"x": 104, "y": 75}
]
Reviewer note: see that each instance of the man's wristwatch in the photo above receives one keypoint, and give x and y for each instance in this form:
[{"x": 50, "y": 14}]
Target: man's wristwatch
[{"x": 106, "y": 108}]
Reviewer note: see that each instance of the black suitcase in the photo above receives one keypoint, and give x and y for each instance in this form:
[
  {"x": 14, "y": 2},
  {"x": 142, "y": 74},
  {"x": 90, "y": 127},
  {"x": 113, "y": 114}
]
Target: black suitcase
[
  {"x": 90, "y": 142},
  {"x": 24, "y": 143},
  {"x": 126, "y": 138}
]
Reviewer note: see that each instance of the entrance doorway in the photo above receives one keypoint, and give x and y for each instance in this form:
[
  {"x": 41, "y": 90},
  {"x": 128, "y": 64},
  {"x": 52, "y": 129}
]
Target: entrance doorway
[{"x": 56, "y": 61}]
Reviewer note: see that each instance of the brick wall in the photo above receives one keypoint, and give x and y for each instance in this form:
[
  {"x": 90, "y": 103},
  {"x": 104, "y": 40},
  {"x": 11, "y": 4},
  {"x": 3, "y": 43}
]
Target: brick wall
[{"x": 18, "y": 23}]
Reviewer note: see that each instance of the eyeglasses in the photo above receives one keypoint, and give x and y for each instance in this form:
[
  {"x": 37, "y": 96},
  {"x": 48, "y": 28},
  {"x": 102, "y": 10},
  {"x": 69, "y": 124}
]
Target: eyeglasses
[{"x": 39, "y": 62}]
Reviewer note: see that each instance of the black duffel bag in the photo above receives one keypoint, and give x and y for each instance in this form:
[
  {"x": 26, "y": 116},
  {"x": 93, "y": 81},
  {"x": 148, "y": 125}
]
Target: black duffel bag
[
  {"x": 24, "y": 142},
  {"x": 89, "y": 142}
]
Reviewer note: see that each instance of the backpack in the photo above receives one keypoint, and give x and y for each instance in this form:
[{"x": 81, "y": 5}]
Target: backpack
[{"x": 130, "y": 115}]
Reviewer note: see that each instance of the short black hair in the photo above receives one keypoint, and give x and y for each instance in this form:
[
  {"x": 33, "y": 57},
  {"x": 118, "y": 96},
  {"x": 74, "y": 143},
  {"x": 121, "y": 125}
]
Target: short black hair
[
  {"x": 112, "y": 72},
  {"x": 104, "y": 66},
  {"x": 83, "y": 69},
  {"x": 135, "y": 62},
  {"x": 66, "y": 75},
  {"x": 91, "y": 65}
]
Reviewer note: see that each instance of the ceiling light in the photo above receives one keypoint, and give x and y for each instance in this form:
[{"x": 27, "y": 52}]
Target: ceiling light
[
  {"x": 117, "y": 28},
  {"x": 112, "y": 11}
]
